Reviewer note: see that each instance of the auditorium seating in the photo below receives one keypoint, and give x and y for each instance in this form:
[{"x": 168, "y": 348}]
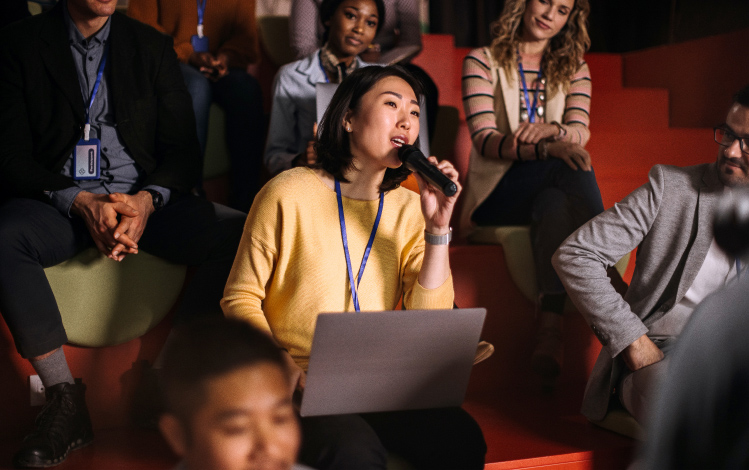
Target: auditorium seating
[{"x": 524, "y": 427}]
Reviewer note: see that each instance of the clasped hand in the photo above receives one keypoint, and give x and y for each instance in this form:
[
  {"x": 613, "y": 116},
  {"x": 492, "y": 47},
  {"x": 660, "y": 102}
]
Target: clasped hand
[
  {"x": 574, "y": 155},
  {"x": 213, "y": 67},
  {"x": 115, "y": 221}
]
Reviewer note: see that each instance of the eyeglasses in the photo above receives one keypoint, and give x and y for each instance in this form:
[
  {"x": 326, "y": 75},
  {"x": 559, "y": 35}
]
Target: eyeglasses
[{"x": 726, "y": 138}]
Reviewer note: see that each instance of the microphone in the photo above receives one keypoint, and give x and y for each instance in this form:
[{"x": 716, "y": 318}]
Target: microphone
[
  {"x": 416, "y": 161},
  {"x": 731, "y": 222}
]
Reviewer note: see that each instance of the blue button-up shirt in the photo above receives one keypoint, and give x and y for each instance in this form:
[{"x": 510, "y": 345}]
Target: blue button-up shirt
[{"x": 119, "y": 172}]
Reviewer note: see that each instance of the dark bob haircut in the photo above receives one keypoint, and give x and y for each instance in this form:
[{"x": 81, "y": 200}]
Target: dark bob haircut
[
  {"x": 205, "y": 349},
  {"x": 328, "y": 8},
  {"x": 333, "y": 146},
  {"x": 742, "y": 97}
]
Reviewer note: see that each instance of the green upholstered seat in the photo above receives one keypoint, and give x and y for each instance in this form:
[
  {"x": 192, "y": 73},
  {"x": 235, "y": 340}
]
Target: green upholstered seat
[
  {"x": 34, "y": 8},
  {"x": 104, "y": 302},
  {"x": 216, "y": 161},
  {"x": 516, "y": 243}
]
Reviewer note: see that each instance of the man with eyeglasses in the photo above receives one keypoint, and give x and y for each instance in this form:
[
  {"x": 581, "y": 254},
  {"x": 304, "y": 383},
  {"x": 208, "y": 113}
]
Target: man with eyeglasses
[{"x": 669, "y": 221}]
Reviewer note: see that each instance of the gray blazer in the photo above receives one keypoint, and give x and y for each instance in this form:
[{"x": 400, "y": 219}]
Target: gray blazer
[{"x": 669, "y": 221}]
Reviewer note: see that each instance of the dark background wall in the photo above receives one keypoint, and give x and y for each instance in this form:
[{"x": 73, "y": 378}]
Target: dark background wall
[{"x": 614, "y": 26}]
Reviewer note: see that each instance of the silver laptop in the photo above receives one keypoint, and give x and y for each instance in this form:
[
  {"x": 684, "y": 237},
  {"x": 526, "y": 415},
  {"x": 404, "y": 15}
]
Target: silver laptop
[
  {"x": 389, "y": 361},
  {"x": 325, "y": 92}
]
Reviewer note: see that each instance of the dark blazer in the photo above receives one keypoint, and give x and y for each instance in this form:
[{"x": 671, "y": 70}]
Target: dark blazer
[{"x": 42, "y": 110}]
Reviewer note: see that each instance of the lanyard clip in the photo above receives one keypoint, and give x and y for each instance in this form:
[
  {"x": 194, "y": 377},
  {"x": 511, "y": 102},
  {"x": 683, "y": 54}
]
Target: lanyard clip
[{"x": 200, "y": 30}]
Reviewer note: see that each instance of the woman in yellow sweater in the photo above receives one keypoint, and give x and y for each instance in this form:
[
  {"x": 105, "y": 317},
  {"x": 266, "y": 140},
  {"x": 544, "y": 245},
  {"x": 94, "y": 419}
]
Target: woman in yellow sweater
[{"x": 291, "y": 265}]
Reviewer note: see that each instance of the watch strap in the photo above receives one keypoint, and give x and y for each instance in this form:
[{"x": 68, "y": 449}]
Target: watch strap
[
  {"x": 433, "y": 239},
  {"x": 156, "y": 198}
]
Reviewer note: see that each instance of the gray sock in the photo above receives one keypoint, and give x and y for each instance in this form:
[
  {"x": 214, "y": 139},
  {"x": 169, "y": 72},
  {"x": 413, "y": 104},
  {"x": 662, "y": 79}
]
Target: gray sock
[{"x": 53, "y": 369}]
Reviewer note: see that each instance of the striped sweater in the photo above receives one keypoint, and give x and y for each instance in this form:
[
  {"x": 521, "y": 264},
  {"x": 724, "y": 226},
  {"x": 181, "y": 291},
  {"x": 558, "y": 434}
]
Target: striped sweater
[{"x": 478, "y": 103}]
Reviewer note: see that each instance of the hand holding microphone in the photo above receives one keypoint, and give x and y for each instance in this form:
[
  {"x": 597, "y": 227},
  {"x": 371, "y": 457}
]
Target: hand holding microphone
[{"x": 416, "y": 161}]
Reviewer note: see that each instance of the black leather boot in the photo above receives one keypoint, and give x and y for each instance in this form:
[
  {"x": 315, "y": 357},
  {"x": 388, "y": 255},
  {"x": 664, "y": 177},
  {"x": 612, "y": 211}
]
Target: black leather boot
[{"x": 63, "y": 425}]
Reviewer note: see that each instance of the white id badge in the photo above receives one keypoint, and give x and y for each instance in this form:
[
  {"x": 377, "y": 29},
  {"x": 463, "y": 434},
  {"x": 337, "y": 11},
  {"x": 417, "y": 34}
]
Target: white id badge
[{"x": 86, "y": 160}]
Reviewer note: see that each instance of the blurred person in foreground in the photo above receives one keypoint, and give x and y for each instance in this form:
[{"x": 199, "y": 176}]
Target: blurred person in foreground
[{"x": 227, "y": 404}]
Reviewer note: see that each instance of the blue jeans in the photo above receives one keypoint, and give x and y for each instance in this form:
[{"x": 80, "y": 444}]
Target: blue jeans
[
  {"x": 550, "y": 197},
  {"x": 239, "y": 95}
]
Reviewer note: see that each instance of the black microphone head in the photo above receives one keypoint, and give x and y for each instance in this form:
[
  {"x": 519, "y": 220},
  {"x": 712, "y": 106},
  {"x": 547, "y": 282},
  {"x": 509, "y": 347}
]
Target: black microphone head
[
  {"x": 406, "y": 151},
  {"x": 731, "y": 223}
]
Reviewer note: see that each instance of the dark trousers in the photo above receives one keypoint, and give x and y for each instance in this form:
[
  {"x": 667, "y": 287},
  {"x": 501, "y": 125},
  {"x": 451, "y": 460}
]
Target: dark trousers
[
  {"x": 239, "y": 95},
  {"x": 35, "y": 235},
  {"x": 550, "y": 196},
  {"x": 445, "y": 438}
]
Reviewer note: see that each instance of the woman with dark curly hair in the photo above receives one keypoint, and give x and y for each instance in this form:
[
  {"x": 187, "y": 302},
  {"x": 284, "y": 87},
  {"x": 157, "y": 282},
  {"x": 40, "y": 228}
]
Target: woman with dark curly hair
[
  {"x": 527, "y": 102},
  {"x": 293, "y": 263}
]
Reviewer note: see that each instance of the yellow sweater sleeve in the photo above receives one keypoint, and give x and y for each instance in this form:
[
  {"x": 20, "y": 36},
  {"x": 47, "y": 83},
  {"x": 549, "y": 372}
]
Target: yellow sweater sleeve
[{"x": 290, "y": 265}]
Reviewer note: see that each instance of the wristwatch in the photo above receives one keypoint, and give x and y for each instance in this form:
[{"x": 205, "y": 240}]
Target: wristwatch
[
  {"x": 562, "y": 132},
  {"x": 156, "y": 198},
  {"x": 433, "y": 239}
]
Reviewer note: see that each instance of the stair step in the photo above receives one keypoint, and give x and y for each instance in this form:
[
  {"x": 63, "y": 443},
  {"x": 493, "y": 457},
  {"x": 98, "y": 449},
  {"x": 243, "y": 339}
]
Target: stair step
[
  {"x": 621, "y": 152},
  {"x": 622, "y": 160},
  {"x": 629, "y": 108},
  {"x": 524, "y": 437},
  {"x": 605, "y": 71}
]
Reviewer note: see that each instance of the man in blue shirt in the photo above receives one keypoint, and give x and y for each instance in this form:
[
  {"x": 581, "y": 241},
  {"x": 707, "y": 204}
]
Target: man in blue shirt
[{"x": 99, "y": 149}]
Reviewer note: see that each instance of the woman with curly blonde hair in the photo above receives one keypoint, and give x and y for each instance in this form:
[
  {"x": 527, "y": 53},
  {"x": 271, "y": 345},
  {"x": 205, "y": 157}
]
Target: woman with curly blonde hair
[{"x": 527, "y": 102}]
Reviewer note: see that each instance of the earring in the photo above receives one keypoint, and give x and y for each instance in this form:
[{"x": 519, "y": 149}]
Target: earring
[{"x": 348, "y": 129}]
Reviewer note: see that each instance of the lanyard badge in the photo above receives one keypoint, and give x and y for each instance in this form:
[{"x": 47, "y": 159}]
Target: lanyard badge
[
  {"x": 87, "y": 153},
  {"x": 533, "y": 109},
  {"x": 200, "y": 41},
  {"x": 354, "y": 284}
]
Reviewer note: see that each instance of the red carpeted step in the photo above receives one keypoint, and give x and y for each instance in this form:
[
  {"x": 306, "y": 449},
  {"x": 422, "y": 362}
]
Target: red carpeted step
[
  {"x": 112, "y": 449},
  {"x": 622, "y": 160},
  {"x": 628, "y": 108},
  {"x": 436, "y": 58},
  {"x": 524, "y": 427},
  {"x": 605, "y": 71},
  {"x": 622, "y": 151}
]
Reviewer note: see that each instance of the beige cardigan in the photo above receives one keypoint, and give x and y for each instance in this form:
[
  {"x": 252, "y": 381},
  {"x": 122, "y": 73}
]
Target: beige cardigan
[{"x": 484, "y": 173}]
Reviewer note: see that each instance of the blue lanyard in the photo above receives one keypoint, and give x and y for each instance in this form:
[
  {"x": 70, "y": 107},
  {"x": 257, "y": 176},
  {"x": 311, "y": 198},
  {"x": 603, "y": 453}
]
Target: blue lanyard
[
  {"x": 354, "y": 286},
  {"x": 99, "y": 74},
  {"x": 325, "y": 74},
  {"x": 201, "y": 10},
  {"x": 534, "y": 107}
]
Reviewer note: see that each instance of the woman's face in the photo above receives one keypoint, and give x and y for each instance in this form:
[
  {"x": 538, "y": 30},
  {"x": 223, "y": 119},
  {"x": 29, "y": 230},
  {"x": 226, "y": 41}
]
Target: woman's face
[
  {"x": 352, "y": 28},
  {"x": 543, "y": 19},
  {"x": 387, "y": 118}
]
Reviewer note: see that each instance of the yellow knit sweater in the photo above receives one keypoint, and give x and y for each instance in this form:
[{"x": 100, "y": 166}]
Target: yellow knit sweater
[{"x": 290, "y": 265}]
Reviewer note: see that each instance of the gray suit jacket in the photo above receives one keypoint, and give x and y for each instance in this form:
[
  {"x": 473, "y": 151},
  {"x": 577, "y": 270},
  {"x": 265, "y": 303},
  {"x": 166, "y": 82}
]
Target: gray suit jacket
[{"x": 669, "y": 220}]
